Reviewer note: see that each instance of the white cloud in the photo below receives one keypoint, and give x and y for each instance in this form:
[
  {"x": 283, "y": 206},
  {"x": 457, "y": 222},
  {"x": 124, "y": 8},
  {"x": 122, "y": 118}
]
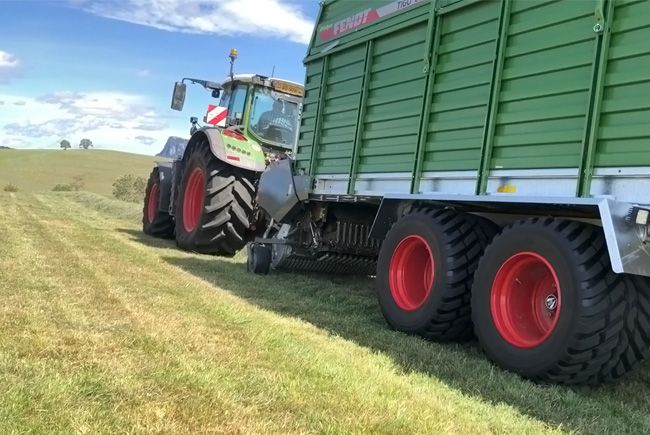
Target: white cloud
[
  {"x": 13, "y": 142},
  {"x": 9, "y": 66},
  {"x": 8, "y": 60},
  {"x": 265, "y": 18},
  {"x": 110, "y": 119}
]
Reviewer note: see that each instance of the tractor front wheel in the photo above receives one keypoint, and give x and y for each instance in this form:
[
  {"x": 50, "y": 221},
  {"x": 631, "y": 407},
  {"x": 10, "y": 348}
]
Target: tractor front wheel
[
  {"x": 215, "y": 205},
  {"x": 155, "y": 222}
]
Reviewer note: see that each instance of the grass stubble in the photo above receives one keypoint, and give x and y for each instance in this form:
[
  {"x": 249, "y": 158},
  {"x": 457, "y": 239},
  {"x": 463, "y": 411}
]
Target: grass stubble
[{"x": 107, "y": 331}]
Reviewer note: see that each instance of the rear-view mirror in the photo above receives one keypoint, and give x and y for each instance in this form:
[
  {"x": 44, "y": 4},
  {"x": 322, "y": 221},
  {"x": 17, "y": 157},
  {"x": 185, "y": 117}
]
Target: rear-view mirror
[
  {"x": 216, "y": 93},
  {"x": 178, "y": 98}
]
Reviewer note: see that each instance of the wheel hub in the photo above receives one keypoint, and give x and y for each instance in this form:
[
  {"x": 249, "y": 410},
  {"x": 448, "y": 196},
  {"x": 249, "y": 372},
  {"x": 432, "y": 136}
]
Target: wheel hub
[
  {"x": 193, "y": 199},
  {"x": 152, "y": 204},
  {"x": 411, "y": 273},
  {"x": 525, "y": 300}
]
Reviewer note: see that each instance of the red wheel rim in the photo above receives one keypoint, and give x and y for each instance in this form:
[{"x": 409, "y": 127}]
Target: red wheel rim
[
  {"x": 152, "y": 203},
  {"x": 526, "y": 300},
  {"x": 411, "y": 272},
  {"x": 193, "y": 199}
]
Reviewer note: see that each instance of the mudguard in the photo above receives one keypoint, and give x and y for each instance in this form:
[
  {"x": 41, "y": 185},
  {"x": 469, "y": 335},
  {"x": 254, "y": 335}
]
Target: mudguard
[
  {"x": 231, "y": 148},
  {"x": 280, "y": 192}
]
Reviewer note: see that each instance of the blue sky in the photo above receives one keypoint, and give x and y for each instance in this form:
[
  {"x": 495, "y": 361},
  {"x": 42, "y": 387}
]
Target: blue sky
[{"x": 104, "y": 69}]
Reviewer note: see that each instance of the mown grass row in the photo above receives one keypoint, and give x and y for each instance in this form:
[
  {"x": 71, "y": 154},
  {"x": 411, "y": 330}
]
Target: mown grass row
[{"x": 105, "y": 330}]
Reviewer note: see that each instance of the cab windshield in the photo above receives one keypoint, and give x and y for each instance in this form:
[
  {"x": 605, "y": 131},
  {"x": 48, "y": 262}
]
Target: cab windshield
[{"x": 275, "y": 117}]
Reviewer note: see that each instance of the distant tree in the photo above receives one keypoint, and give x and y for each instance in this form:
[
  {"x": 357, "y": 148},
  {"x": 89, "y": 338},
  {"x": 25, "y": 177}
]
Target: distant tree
[
  {"x": 85, "y": 144},
  {"x": 65, "y": 144}
]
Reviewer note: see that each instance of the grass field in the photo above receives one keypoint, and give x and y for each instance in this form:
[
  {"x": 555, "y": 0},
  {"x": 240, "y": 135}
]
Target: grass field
[
  {"x": 41, "y": 170},
  {"x": 105, "y": 330}
]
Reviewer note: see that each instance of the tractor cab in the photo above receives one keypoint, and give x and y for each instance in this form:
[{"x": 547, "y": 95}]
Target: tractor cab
[
  {"x": 264, "y": 110},
  {"x": 267, "y": 110}
]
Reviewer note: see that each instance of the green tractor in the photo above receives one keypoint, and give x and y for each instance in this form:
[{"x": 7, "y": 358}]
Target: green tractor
[{"x": 206, "y": 198}]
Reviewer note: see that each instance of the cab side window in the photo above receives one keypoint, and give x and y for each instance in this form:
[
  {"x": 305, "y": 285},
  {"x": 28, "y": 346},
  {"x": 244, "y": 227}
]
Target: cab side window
[
  {"x": 225, "y": 98},
  {"x": 236, "y": 105}
]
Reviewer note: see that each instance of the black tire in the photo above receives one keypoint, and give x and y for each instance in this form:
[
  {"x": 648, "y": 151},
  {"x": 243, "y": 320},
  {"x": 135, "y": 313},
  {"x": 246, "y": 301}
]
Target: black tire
[
  {"x": 600, "y": 328},
  {"x": 444, "y": 314},
  {"x": 155, "y": 222},
  {"x": 223, "y": 226},
  {"x": 485, "y": 229},
  {"x": 259, "y": 259}
]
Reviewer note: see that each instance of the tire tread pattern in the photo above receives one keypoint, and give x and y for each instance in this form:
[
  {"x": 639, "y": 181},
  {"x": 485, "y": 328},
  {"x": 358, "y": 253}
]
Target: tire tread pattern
[
  {"x": 463, "y": 244},
  {"x": 612, "y": 335},
  {"x": 224, "y": 225}
]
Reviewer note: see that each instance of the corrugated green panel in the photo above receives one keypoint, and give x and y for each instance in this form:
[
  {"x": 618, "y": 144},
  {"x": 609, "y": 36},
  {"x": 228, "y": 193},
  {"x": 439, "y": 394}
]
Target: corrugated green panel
[
  {"x": 394, "y": 102},
  {"x": 624, "y": 129},
  {"x": 309, "y": 113},
  {"x": 461, "y": 88},
  {"x": 340, "y": 106},
  {"x": 545, "y": 86}
]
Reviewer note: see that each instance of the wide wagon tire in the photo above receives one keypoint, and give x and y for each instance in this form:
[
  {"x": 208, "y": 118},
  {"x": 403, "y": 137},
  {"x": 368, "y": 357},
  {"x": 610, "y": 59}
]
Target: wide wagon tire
[
  {"x": 547, "y": 305},
  {"x": 424, "y": 274},
  {"x": 215, "y": 205},
  {"x": 155, "y": 222}
]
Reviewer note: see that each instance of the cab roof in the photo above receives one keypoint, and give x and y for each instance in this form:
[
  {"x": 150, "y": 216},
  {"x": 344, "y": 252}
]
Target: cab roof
[{"x": 266, "y": 81}]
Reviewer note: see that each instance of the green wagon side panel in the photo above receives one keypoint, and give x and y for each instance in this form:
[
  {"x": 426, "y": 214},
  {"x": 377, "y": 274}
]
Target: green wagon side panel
[
  {"x": 394, "y": 101},
  {"x": 353, "y": 11},
  {"x": 461, "y": 87},
  {"x": 624, "y": 125},
  {"x": 340, "y": 106},
  {"x": 561, "y": 94},
  {"x": 309, "y": 115},
  {"x": 545, "y": 88}
]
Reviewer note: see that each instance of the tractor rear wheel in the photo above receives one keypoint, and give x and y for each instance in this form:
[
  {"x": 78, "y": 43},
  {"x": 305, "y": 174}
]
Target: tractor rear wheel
[
  {"x": 214, "y": 206},
  {"x": 424, "y": 274},
  {"x": 155, "y": 222},
  {"x": 547, "y": 305}
]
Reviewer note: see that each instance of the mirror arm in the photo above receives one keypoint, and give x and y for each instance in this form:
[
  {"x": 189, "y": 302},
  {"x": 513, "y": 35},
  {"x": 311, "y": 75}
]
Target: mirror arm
[{"x": 205, "y": 83}]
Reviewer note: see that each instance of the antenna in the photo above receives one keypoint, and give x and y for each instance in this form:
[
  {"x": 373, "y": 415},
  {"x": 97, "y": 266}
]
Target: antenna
[{"x": 273, "y": 72}]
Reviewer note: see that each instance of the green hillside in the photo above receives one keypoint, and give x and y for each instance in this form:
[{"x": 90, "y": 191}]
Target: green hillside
[{"x": 41, "y": 170}]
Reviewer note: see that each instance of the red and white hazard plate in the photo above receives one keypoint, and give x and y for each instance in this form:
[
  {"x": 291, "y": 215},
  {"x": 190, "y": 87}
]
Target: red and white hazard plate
[{"x": 216, "y": 115}]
